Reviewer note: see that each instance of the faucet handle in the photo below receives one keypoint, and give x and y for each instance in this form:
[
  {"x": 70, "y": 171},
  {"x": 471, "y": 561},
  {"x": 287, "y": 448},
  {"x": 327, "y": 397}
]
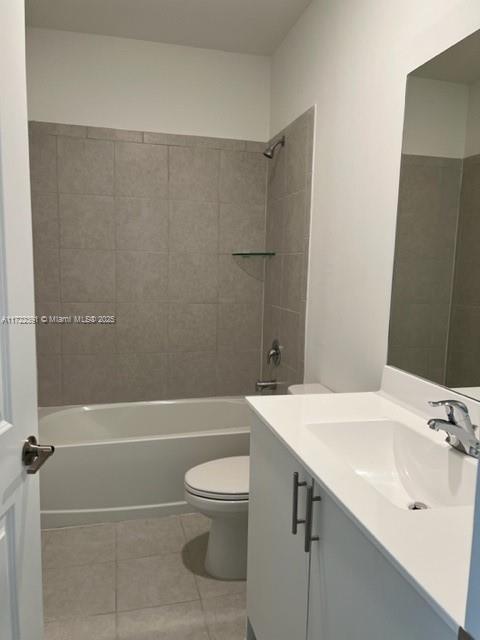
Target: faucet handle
[{"x": 450, "y": 406}]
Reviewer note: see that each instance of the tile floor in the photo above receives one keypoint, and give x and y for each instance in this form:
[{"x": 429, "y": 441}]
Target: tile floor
[{"x": 137, "y": 580}]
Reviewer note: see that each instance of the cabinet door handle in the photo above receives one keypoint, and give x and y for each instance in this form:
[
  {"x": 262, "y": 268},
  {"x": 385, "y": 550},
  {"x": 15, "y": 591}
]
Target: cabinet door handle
[
  {"x": 308, "y": 526},
  {"x": 295, "y": 520}
]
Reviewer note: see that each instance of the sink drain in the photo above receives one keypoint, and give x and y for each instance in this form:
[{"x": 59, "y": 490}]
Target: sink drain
[{"x": 417, "y": 506}]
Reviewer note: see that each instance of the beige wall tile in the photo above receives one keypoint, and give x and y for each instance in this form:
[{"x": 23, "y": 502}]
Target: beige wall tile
[
  {"x": 242, "y": 227},
  {"x": 43, "y": 163},
  {"x": 85, "y": 166},
  {"x": 239, "y": 326},
  {"x": 103, "y": 133},
  {"x": 141, "y": 275},
  {"x": 89, "y": 378},
  {"x": 192, "y": 375},
  {"x": 193, "y": 277},
  {"x": 85, "y": 337},
  {"x": 86, "y": 222},
  {"x": 87, "y": 275},
  {"x": 242, "y": 177},
  {"x": 237, "y": 372},
  {"x": 141, "y": 327},
  {"x": 45, "y": 223},
  {"x": 193, "y": 174},
  {"x": 140, "y": 170},
  {"x": 49, "y": 380},
  {"x": 46, "y": 263},
  {"x": 294, "y": 222},
  {"x": 240, "y": 279},
  {"x": 141, "y": 377},
  {"x": 49, "y": 338},
  {"x": 192, "y": 327},
  {"x": 193, "y": 227},
  {"x": 141, "y": 224}
]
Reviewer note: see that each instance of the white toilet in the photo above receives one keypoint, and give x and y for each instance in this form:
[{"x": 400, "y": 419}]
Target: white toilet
[{"x": 219, "y": 490}]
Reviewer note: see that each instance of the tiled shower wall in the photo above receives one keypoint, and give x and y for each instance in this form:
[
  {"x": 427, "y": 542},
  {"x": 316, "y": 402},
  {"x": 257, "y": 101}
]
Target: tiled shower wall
[
  {"x": 428, "y": 212},
  {"x": 464, "y": 340},
  {"x": 142, "y": 226},
  {"x": 288, "y": 227}
]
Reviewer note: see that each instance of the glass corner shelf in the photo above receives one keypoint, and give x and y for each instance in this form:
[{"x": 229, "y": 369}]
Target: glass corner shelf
[{"x": 252, "y": 254}]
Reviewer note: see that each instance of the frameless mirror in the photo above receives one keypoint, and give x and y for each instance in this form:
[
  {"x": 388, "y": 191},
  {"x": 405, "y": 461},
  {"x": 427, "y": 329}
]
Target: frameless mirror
[{"x": 435, "y": 312}]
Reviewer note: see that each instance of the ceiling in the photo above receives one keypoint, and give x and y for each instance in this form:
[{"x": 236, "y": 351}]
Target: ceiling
[
  {"x": 245, "y": 26},
  {"x": 460, "y": 63}
]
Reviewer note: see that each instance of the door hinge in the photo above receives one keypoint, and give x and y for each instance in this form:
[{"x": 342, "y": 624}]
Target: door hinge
[{"x": 463, "y": 635}]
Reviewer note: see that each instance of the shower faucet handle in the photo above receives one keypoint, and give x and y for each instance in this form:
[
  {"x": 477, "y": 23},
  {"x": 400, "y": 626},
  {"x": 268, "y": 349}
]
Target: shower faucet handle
[{"x": 274, "y": 355}]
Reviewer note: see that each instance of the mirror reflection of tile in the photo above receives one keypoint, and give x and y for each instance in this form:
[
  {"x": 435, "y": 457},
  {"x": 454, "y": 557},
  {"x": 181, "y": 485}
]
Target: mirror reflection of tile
[{"x": 435, "y": 312}]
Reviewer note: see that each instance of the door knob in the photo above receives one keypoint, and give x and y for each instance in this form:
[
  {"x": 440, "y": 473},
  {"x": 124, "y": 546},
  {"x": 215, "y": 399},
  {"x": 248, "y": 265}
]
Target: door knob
[{"x": 34, "y": 455}]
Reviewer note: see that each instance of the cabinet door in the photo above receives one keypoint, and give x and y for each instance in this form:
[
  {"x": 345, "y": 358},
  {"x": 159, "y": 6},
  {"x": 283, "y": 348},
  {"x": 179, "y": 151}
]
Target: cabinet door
[
  {"x": 356, "y": 593},
  {"x": 277, "y": 582}
]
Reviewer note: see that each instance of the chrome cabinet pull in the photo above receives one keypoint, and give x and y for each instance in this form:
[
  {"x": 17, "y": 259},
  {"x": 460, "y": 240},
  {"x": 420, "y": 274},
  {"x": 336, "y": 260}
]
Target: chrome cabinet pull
[
  {"x": 295, "y": 520},
  {"x": 34, "y": 455},
  {"x": 308, "y": 526}
]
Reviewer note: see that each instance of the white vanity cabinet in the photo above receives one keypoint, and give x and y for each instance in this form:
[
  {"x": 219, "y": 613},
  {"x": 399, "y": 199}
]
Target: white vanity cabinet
[
  {"x": 277, "y": 563},
  {"x": 343, "y": 588},
  {"x": 355, "y": 593}
]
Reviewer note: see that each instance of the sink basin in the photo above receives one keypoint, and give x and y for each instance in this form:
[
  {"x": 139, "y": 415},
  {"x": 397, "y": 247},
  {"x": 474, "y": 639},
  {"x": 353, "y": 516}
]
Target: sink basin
[{"x": 401, "y": 464}]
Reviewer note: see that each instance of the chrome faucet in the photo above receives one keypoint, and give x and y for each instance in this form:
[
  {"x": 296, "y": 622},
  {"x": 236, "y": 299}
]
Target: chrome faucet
[
  {"x": 461, "y": 433},
  {"x": 265, "y": 385}
]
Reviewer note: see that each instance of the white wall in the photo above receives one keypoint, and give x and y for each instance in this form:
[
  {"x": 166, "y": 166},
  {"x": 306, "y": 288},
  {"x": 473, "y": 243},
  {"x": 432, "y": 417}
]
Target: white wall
[
  {"x": 472, "y": 143},
  {"x": 435, "y": 118},
  {"x": 352, "y": 59},
  {"x": 77, "y": 78}
]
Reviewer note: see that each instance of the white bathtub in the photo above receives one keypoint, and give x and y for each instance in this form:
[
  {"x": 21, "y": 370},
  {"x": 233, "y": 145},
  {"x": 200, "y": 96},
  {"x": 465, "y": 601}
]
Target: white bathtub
[{"x": 120, "y": 461}]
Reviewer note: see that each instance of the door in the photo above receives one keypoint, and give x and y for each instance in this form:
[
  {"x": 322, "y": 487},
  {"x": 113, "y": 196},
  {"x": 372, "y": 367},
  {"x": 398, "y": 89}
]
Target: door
[
  {"x": 355, "y": 592},
  {"x": 277, "y": 577},
  {"x": 20, "y": 562}
]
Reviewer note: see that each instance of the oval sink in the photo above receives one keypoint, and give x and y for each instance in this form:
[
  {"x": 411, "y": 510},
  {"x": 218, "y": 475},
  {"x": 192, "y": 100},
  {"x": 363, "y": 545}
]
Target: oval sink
[{"x": 401, "y": 464}]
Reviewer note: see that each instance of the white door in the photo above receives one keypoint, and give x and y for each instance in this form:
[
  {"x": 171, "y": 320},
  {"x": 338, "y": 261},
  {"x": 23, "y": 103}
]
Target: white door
[{"x": 20, "y": 561}]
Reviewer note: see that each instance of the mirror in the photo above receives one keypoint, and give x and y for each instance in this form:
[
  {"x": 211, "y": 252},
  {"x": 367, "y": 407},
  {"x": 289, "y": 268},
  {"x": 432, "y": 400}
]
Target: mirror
[{"x": 435, "y": 311}]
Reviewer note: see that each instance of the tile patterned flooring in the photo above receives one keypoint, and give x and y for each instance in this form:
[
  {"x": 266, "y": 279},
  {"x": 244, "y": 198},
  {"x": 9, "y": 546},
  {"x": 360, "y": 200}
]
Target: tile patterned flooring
[{"x": 137, "y": 580}]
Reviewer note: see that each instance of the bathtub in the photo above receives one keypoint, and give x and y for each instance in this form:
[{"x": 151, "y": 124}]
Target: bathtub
[{"x": 127, "y": 460}]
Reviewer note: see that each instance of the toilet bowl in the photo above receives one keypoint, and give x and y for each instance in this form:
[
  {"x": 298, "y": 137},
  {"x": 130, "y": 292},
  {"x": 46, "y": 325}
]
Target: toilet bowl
[{"x": 219, "y": 490}]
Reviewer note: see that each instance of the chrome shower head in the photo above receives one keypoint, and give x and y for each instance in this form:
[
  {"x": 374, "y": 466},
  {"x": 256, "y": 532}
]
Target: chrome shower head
[{"x": 270, "y": 150}]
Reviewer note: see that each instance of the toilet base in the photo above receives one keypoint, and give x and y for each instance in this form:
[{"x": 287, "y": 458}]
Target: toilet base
[{"x": 226, "y": 557}]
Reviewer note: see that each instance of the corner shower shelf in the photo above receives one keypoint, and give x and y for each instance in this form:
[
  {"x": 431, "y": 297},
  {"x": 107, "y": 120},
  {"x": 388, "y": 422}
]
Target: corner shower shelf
[{"x": 253, "y": 254}]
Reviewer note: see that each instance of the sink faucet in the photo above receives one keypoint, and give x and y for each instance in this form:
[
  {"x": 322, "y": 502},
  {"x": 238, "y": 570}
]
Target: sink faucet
[{"x": 461, "y": 433}]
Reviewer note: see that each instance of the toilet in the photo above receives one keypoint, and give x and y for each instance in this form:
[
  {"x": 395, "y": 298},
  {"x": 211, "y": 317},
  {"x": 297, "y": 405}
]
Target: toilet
[{"x": 219, "y": 490}]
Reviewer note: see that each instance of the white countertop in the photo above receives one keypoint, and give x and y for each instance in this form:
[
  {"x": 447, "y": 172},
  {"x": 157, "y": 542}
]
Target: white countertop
[{"x": 430, "y": 548}]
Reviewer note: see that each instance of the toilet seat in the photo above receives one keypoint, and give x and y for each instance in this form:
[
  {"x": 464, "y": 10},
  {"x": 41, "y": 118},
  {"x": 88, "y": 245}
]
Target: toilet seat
[{"x": 224, "y": 479}]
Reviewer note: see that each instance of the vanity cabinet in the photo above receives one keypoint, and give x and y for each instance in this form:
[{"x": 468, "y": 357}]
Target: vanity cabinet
[
  {"x": 343, "y": 585},
  {"x": 277, "y": 563}
]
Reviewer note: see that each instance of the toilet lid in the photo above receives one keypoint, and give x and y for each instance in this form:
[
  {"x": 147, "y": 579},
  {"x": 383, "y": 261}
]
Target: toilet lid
[{"x": 223, "y": 479}]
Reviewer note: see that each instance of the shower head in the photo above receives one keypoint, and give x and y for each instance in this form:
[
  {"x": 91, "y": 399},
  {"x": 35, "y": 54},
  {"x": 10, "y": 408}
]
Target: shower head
[{"x": 270, "y": 150}]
